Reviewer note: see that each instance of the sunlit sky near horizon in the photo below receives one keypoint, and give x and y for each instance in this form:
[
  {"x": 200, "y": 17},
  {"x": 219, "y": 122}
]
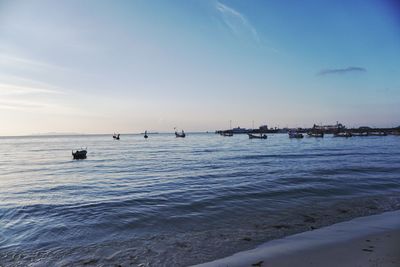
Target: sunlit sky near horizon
[{"x": 128, "y": 66}]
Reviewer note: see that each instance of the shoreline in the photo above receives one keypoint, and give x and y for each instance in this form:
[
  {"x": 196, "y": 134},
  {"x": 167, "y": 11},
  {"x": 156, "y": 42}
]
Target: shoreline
[{"x": 364, "y": 241}]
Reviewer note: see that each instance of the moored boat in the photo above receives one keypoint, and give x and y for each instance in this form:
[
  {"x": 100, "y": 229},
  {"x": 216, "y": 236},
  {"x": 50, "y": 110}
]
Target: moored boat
[
  {"x": 359, "y": 134},
  {"x": 342, "y": 134},
  {"x": 253, "y": 136},
  {"x": 227, "y": 134},
  {"x": 293, "y": 134},
  {"x": 116, "y": 136},
  {"x": 182, "y": 134},
  {"x": 79, "y": 154},
  {"x": 315, "y": 134},
  {"x": 377, "y": 134}
]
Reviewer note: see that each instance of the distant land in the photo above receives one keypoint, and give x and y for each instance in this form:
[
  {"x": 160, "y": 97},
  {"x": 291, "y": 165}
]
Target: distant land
[
  {"x": 56, "y": 133},
  {"x": 237, "y": 130}
]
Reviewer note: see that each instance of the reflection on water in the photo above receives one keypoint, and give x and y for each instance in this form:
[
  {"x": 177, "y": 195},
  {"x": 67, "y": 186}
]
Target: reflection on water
[{"x": 172, "y": 202}]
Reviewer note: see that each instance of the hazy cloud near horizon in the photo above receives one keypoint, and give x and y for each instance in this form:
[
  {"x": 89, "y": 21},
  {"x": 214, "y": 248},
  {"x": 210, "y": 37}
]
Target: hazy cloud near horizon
[{"x": 341, "y": 71}]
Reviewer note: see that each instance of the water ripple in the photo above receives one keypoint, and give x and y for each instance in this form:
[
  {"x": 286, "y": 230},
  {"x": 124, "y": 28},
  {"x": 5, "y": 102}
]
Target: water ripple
[{"x": 144, "y": 201}]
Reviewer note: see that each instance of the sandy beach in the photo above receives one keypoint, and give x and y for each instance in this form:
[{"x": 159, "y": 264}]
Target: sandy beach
[{"x": 365, "y": 241}]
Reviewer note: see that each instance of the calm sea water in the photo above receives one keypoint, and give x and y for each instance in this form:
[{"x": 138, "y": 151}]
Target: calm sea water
[{"x": 169, "y": 201}]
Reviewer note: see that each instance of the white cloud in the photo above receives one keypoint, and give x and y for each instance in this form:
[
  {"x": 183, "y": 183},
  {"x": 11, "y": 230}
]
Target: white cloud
[
  {"x": 19, "y": 105},
  {"x": 11, "y": 89},
  {"x": 9, "y": 61},
  {"x": 32, "y": 99},
  {"x": 237, "y": 22}
]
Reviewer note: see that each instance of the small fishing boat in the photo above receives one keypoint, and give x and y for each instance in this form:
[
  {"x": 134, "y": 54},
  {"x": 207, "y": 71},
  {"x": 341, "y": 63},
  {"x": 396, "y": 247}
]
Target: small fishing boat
[
  {"x": 145, "y": 135},
  {"x": 377, "y": 134},
  {"x": 315, "y": 134},
  {"x": 342, "y": 134},
  {"x": 79, "y": 154},
  {"x": 359, "y": 134},
  {"x": 295, "y": 135},
  {"x": 253, "y": 136},
  {"x": 116, "y": 136},
  {"x": 227, "y": 134},
  {"x": 182, "y": 134}
]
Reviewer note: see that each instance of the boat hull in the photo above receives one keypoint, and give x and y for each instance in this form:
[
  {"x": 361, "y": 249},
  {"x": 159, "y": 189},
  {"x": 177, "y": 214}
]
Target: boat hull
[
  {"x": 177, "y": 135},
  {"x": 346, "y": 135},
  {"x": 315, "y": 134},
  {"x": 296, "y": 135},
  {"x": 252, "y": 136},
  {"x": 79, "y": 154}
]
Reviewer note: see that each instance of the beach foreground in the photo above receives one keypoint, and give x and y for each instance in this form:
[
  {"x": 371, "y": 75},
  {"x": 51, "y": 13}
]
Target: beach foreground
[{"x": 365, "y": 241}]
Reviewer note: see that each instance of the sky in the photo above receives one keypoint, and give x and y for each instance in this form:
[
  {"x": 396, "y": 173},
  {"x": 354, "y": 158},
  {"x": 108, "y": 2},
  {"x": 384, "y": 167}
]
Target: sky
[{"x": 129, "y": 66}]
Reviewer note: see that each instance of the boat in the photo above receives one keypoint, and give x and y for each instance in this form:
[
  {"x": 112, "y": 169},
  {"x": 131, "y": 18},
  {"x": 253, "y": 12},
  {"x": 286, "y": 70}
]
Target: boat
[
  {"x": 377, "y": 134},
  {"x": 342, "y": 134},
  {"x": 79, "y": 154},
  {"x": 182, "y": 134},
  {"x": 295, "y": 135},
  {"x": 227, "y": 134},
  {"x": 145, "y": 135},
  {"x": 253, "y": 136},
  {"x": 315, "y": 134},
  {"x": 116, "y": 136},
  {"x": 360, "y": 134}
]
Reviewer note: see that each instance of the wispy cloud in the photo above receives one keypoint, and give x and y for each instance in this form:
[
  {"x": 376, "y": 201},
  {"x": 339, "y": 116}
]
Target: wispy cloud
[
  {"x": 11, "y": 89},
  {"x": 40, "y": 99},
  {"x": 341, "y": 71},
  {"x": 12, "y": 61},
  {"x": 19, "y": 105},
  {"x": 29, "y": 98},
  {"x": 237, "y": 22}
]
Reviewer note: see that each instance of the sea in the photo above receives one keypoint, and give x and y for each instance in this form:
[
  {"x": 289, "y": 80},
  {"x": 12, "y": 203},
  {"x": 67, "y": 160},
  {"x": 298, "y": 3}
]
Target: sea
[{"x": 166, "y": 201}]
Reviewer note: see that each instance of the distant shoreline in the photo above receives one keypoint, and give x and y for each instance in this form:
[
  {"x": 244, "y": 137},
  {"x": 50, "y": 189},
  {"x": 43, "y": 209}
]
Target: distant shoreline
[
  {"x": 395, "y": 130},
  {"x": 93, "y": 134}
]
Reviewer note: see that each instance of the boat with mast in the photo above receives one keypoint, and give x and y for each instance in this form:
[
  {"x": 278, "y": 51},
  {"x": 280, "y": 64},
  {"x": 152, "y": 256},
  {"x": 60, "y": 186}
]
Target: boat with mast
[
  {"x": 116, "y": 136},
  {"x": 229, "y": 132},
  {"x": 180, "y": 135}
]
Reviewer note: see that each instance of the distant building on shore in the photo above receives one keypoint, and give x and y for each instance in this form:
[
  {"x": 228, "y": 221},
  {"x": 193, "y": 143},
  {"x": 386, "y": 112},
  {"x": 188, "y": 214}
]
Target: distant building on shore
[
  {"x": 263, "y": 128},
  {"x": 239, "y": 130}
]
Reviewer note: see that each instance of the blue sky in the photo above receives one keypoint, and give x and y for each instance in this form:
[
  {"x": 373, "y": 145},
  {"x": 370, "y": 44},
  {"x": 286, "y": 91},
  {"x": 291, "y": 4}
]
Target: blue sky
[{"x": 127, "y": 66}]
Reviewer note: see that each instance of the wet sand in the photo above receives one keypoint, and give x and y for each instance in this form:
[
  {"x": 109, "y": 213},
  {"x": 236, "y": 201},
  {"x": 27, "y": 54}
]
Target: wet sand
[{"x": 365, "y": 241}]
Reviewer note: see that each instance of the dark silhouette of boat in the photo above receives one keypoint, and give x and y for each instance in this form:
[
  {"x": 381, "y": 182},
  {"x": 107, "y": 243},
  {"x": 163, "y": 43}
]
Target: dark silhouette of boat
[
  {"x": 145, "y": 135},
  {"x": 342, "y": 134},
  {"x": 116, "y": 136},
  {"x": 395, "y": 133},
  {"x": 359, "y": 134},
  {"x": 293, "y": 134},
  {"x": 181, "y": 135},
  {"x": 79, "y": 154},
  {"x": 315, "y": 134},
  {"x": 226, "y": 133},
  {"x": 253, "y": 136},
  {"x": 377, "y": 134}
]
